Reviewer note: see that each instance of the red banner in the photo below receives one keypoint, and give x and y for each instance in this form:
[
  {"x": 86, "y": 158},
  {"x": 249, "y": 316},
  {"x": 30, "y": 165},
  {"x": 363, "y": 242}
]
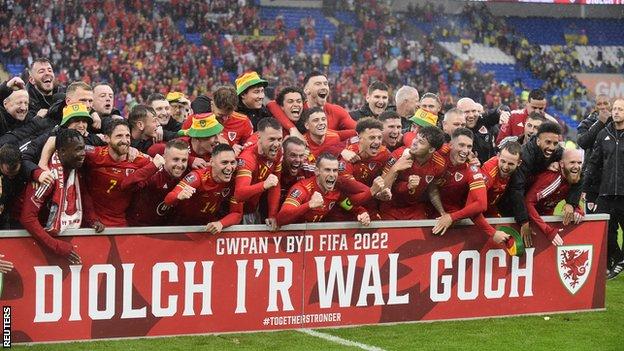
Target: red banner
[{"x": 320, "y": 275}]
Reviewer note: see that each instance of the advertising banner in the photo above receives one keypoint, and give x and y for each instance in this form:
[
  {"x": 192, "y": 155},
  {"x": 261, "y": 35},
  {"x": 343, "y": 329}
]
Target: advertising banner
[
  {"x": 611, "y": 85},
  {"x": 175, "y": 280}
]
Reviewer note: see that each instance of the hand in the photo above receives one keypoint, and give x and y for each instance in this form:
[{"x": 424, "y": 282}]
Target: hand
[
  {"x": 364, "y": 219},
  {"x": 214, "y": 227},
  {"x": 96, "y": 122},
  {"x": 198, "y": 163},
  {"x": 271, "y": 181},
  {"x": 349, "y": 156},
  {"x": 158, "y": 161},
  {"x": 526, "y": 233},
  {"x": 74, "y": 258},
  {"x": 5, "y": 266},
  {"x": 404, "y": 162},
  {"x": 557, "y": 240},
  {"x": 132, "y": 153},
  {"x": 473, "y": 160},
  {"x": 578, "y": 217},
  {"x": 294, "y": 132},
  {"x": 316, "y": 200},
  {"x": 272, "y": 223},
  {"x": 159, "y": 134},
  {"x": 98, "y": 226},
  {"x": 504, "y": 117},
  {"x": 500, "y": 237},
  {"x": 378, "y": 185},
  {"x": 384, "y": 195},
  {"x": 186, "y": 193},
  {"x": 555, "y": 167},
  {"x": 42, "y": 112},
  {"x": 237, "y": 149},
  {"x": 444, "y": 223},
  {"x": 568, "y": 214},
  {"x": 604, "y": 115},
  {"x": 16, "y": 83},
  {"x": 413, "y": 181},
  {"x": 46, "y": 178}
]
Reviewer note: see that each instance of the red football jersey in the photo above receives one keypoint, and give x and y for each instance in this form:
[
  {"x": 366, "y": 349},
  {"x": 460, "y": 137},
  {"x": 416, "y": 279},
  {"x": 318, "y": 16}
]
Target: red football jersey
[
  {"x": 366, "y": 170},
  {"x": 288, "y": 180},
  {"x": 253, "y": 169},
  {"x": 331, "y": 139},
  {"x": 203, "y": 207},
  {"x": 495, "y": 184},
  {"x": 237, "y": 128},
  {"x": 148, "y": 207},
  {"x": 105, "y": 177},
  {"x": 296, "y": 208},
  {"x": 515, "y": 126},
  {"x": 458, "y": 182}
]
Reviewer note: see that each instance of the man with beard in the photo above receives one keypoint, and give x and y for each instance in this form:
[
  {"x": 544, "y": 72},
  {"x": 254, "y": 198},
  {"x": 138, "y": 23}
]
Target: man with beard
[
  {"x": 537, "y": 155},
  {"x": 40, "y": 87},
  {"x": 76, "y": 92},
  {"x": 199, "y": 196},
  {"x": 498, "y": 171},
  {"x": 606, "y": 174},
  {"x": 318, "y": 138},
  {"x": 462, "y": 184},
  {"x": 312, "y": 199},
  {"x": 237, "y": 127},
  {"x": 103, "y": 98},
  {"x": 163, "y": 113},
  {"x": 14, "y": 111},
  {"x": 515, "y": 126},
  {"x": 481, "y": 127},
  {"x": 259, "y": 170},
  {"x": 392, "y": 128},
  {"x": 550, "y": 188},
  {"x": 371, "y": 160},
  {"x": 410, "y": 173},
  {"x": 453, "y": 119},
  {"x": 296, "y": 165},
  {"x": 153, "y": 182},
  {"x": 250, "y": 91},
  {"x": 143, "y": 127},
  {"x": 202, "y": 136},
  {"x": 290, "y": 102},
  {"x": 108, "y": 168},
  {"x": 376, "y": 102},
  {"x": 66, "y": 198},
  {"x": 406, "y": 100},
  {"x": 531, "y": 125}
]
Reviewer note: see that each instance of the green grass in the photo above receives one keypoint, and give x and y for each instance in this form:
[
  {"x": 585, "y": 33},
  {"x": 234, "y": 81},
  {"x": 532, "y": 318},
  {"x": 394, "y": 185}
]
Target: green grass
[{"x": 574, "y": 331}]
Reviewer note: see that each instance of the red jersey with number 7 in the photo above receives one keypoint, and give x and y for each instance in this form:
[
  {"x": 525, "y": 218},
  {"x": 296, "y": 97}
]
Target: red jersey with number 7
[{"x": 104, "y": 178}]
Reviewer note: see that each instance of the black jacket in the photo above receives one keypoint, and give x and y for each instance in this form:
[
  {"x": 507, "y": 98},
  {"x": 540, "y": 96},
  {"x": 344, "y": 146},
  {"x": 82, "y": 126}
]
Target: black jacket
[
  {"x": 362, "y": 112},
  {"x": 38, "y": 101},
  {"x": 533, "y": 163},
  {"x": 11, "y": 190},
  {"x": 255, "y": 115},
  {"x": 605, "y": 168},
  {"x": 587, "y": 131},
  {"x": 8, "y": 123},
  {"x": 484, "y": 138},
  {"x": 36, "y": 126}
]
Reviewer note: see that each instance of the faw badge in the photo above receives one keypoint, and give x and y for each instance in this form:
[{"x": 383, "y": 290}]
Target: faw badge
[
  {"x": 458, "y": 176},
  {"x": 574, "y": 264},
  {"x": 428, "y": 178},
  {"x": 231, "y": 136}
]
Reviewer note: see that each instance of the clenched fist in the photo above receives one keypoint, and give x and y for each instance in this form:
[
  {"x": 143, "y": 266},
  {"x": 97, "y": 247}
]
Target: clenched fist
[
  {"x": 316, "y": 200},
  {"x": 271, "y": 181}
]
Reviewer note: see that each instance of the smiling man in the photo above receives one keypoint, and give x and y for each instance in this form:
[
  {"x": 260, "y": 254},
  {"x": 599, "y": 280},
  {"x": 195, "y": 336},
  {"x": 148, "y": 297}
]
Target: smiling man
[
  {"x": 498, "y": 171},
  {"x": 198, "y": 198},
  {"x": 14, "y": 111},
  {"x": 318, "y": 137},
  {"x": 250, "y": 90},
  {"x": 40, "y": 87},
  {"x": 376, "y": 101}
]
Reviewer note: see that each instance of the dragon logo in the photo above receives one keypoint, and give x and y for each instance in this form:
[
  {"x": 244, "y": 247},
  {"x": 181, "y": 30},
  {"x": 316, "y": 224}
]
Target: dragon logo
[{"x": 574, "y": 265}]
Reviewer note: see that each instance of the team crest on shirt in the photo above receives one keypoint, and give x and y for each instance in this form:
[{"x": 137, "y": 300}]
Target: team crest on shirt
[
  {"x": 129, "y": 172},
  {"x": 428, "y": 178},
  {"x": 225, "y": 192},
  {"x": 231, "y": 136},
  {"x": 331, "y": 205},
  {"x": 372, "y": 165},
  {"x": 458, "y": 176},
  {"x": 483, "y": 130}
]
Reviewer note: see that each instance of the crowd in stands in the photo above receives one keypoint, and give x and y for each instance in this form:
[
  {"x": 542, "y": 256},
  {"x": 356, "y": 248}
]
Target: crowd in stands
[{"x": 226, "y": 155}]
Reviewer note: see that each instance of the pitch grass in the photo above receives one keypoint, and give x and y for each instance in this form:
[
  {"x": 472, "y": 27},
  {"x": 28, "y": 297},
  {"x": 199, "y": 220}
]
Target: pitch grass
[{"x": 574, "y": 331}]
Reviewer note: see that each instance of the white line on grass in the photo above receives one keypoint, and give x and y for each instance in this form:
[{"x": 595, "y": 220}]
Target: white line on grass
[{"x": 339, "y": 340}]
